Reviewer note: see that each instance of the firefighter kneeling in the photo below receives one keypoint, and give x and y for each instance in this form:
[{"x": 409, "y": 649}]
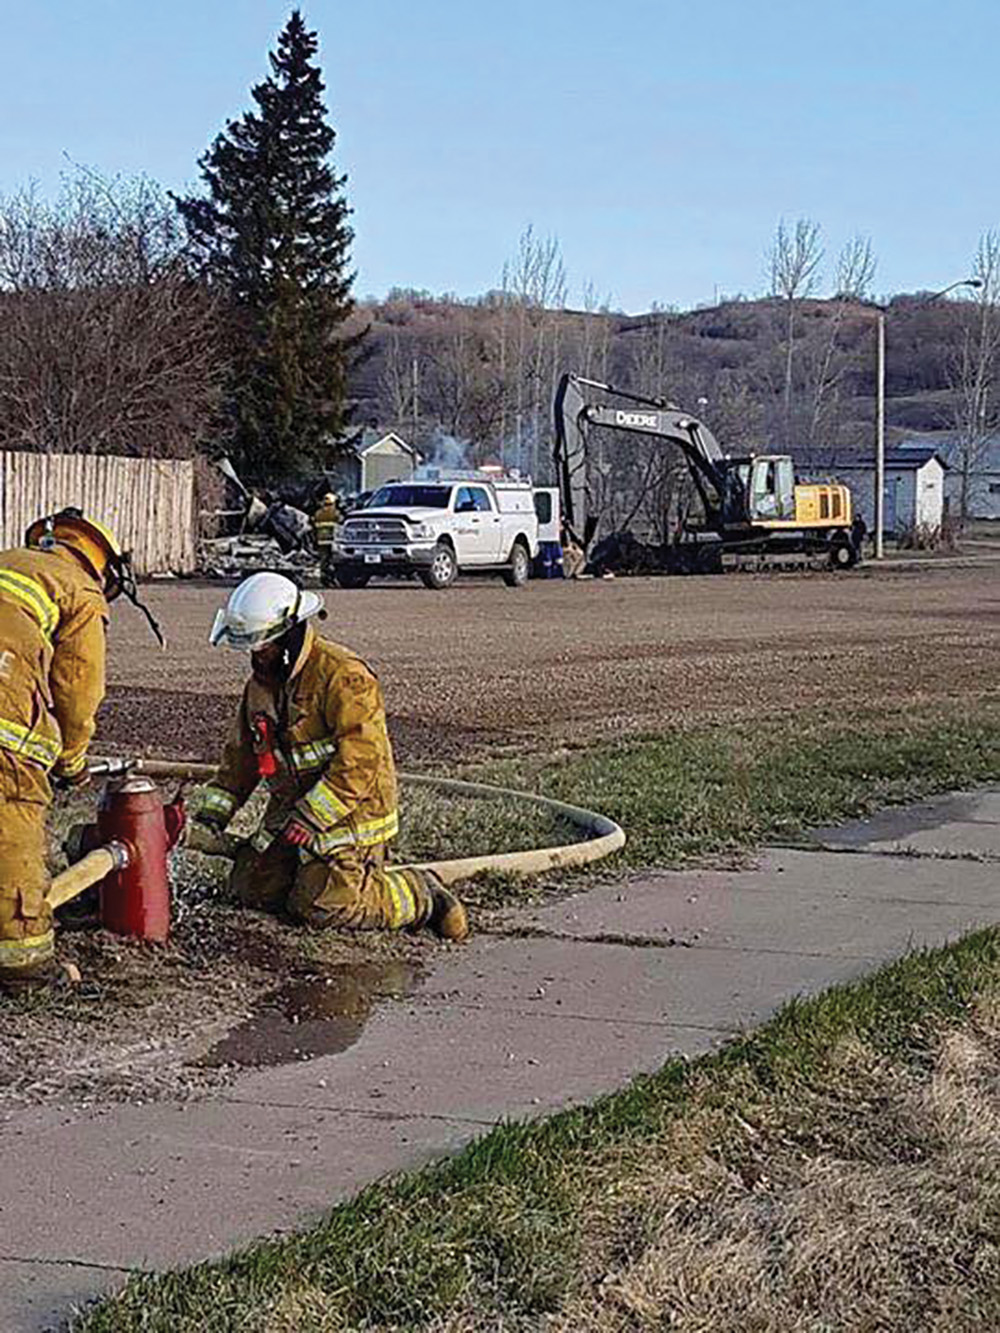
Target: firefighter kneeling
[{"x": 312, "y": 726}]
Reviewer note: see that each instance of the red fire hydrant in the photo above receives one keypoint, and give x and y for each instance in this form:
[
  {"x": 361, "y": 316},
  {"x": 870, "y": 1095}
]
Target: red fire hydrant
[{"x": 136, "y": 899}]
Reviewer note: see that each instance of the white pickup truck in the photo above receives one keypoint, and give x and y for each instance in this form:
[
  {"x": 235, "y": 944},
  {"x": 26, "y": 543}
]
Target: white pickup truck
[{"x": 436, "y": 526}]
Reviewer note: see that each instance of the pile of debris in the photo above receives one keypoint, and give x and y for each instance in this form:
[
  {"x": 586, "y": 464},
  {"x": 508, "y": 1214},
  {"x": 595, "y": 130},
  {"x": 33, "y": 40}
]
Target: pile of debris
[
  {"x": 272, "y": 535},
  {"x": 234, "y": 557},
  {"x": 621, "y": 553}
]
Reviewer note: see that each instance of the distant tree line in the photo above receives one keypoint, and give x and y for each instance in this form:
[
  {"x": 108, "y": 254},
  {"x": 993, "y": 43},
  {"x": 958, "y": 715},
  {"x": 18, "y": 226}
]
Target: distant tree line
[
  {"x": 792, "y": 370},
  {"x": 108, "y": 341}
]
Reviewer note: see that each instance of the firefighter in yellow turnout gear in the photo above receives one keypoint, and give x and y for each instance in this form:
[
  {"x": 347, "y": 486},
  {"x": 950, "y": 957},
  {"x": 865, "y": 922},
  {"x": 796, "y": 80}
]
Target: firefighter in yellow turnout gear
[
  {"x": 312, "y": 726},
  {"x": 326, "y": 520},
  {"x": 54, "y": 595}
]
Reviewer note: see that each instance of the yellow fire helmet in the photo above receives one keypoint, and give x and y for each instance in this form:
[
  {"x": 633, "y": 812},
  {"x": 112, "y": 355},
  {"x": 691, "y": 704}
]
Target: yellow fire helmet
[
  {"x": 99, "y": 549},
  {"x": 96, "y": 544}
]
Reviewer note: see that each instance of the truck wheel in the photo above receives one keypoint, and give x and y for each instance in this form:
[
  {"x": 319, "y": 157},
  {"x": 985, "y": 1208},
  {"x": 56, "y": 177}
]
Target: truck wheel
[
  {"x": 443, "y": 569},
  {"x": 843, "y": 554},
  {"x": 518, "y": 567},
  {"x": 350, "y": 576}
]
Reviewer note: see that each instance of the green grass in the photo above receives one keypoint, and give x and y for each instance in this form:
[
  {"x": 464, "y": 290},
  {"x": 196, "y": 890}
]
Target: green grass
[
  {"x": 703, "y": 791},
  {"x": 522, "y": 1223},
  {"x": 714, "y": 791},
  {"x": 436, "y": 825}
]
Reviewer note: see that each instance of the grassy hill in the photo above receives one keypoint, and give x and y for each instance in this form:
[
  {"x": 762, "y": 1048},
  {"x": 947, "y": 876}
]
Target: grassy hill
[{"x": 484, "y": 370}]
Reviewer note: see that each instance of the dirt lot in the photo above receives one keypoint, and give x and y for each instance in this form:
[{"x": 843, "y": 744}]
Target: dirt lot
[
  {"x": 476, "y": 671},
  {"x": 482, "y": 668}
]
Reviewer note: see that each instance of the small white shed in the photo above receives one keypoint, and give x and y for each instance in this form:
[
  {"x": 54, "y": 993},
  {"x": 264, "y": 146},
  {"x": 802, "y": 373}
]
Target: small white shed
[
  {"x": 914, "y": 490},
  {"x": 982, "y": 485},
  {"x": 371, "y": 458}
]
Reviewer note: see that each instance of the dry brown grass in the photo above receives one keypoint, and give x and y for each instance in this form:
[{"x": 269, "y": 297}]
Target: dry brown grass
[{"x": 870, "y": 1205}]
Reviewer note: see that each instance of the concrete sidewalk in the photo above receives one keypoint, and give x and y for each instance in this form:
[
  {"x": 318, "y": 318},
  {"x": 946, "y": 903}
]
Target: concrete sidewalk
[{"x": 588, "y": 993}]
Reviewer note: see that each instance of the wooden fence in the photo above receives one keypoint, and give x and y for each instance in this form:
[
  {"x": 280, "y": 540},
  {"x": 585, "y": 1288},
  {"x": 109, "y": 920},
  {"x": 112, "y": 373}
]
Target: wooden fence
[{"x": 148, "y": 503}]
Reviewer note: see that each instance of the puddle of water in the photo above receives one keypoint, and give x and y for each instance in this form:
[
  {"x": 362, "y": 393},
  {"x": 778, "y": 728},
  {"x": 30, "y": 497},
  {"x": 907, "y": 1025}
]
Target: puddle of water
[{"x": 319, "y": 1016}]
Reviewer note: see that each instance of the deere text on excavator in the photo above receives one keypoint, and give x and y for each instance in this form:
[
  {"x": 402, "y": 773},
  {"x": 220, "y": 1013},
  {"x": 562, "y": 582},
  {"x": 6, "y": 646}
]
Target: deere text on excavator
[{"x": 752, "y": 505}]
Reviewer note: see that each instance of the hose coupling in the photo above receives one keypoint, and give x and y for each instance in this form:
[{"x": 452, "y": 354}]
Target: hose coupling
[{"x": 122, "y": 855}]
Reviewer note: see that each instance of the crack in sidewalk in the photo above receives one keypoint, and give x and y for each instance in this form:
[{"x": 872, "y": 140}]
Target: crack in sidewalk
[
  {"x": 897, "y": 853},
  {"x": 528, "y": 932},
  {"x": 406, "y": 1117},
  {"x": 620, "y": 1021},
  {"x": 69, "y": 1263}
]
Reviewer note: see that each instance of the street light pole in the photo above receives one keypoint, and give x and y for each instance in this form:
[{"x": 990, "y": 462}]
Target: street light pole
[
  {"x": 879, "y": 497},
  {"x": 880, "y": 437}
]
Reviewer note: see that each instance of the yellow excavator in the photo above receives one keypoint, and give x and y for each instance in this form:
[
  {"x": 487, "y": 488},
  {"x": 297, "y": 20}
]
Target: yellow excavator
[{"x": 751, "y": 505}]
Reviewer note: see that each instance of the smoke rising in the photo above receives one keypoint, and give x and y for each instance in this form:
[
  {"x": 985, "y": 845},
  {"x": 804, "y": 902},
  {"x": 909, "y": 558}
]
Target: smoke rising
[{"x": 446, "y": 452}]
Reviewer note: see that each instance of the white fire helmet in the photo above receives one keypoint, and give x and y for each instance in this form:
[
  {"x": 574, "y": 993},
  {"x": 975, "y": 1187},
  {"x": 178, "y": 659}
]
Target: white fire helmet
[{"x": 262, "y": 609}]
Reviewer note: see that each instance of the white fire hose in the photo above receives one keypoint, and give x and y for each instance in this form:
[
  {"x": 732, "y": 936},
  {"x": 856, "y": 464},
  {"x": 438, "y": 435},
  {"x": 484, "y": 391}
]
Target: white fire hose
[{"x": 600, "y": 836}]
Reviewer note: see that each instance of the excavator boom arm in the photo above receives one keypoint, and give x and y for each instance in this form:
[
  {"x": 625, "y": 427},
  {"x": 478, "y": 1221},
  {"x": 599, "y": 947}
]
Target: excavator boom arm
[{"x": 575, "y": 413}]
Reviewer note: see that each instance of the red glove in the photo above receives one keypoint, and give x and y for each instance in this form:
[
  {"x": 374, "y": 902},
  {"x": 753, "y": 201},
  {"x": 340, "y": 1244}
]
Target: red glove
[{"x": 297, "y": 833}]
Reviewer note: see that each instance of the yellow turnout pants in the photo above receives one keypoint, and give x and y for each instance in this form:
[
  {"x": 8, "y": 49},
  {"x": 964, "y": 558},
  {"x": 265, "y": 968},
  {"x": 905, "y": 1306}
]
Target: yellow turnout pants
[
  {"x": 353, "y": 890},
  {"x": 27, "y": 940}
]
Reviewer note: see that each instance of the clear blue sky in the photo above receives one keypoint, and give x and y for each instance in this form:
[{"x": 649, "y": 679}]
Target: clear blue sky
[{"x": 660, "y": 140}]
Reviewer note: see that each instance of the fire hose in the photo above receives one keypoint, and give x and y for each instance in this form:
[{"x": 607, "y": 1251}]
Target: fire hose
[
  {"x": 600, "y": 836},
  {"x": 125, "y": 851},
  {"x": 84, "y": 874}
]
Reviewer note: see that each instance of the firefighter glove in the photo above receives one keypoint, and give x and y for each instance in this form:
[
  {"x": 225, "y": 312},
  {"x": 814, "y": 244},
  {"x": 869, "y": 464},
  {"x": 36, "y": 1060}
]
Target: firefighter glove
[
  {"x": 205, "y": 836},
  {"x": 70, "y": 781}
]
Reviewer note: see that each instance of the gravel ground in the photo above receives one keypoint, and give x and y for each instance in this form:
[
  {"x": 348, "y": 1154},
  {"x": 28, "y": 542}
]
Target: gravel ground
[{"x": 483, "y": 669}]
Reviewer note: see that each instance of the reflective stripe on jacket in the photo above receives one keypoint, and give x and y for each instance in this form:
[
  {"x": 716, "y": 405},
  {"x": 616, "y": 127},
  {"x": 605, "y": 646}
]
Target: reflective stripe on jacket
[
  {"x": 52, "y": 654},
  {"x": 335, "y": 765}
]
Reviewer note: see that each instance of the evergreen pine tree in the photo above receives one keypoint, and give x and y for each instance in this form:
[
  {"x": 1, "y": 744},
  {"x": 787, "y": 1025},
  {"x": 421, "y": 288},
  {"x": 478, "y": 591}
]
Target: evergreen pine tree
[{"x": 273, "y": 231}]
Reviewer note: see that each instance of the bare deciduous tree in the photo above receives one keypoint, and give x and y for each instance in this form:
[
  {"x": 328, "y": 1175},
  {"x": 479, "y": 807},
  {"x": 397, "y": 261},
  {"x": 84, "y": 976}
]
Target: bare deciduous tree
[
  {"x": 107, "y": 344},
  {"x": 794, "y": 261},
  {"x": 856, "y": 267},
  {"x": 535, "y": 284},
  {"x": 467, "y": 387},
  {"x": 976, "y": 369},
  {"x": 399, "y": 387},
  {"x": 855, "y": 275}
]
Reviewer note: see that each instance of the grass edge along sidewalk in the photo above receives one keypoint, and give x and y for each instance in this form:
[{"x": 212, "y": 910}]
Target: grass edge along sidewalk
[
  {"x": 537, "y": 1218},
  {"x": 708, "y": 791}
]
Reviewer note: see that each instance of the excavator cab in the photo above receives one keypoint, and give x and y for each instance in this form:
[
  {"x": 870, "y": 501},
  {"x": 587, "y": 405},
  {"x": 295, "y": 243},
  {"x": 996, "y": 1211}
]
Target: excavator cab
[{"x": 772, "y": 488}]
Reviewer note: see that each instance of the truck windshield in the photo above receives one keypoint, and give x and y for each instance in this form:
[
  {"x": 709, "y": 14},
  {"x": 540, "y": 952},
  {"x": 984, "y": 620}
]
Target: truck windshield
[{"x": 410, "y": 497}]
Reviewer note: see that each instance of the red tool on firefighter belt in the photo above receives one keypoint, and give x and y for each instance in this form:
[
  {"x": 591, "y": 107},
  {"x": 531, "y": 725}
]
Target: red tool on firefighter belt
[{"x": 263, "y": 744}]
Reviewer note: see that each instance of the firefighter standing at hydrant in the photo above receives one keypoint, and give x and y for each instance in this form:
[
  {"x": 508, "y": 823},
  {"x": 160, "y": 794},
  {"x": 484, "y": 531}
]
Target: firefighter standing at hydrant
[
  {"x": 312, "y": 726},
  {"x": 54, "y": 595}
]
